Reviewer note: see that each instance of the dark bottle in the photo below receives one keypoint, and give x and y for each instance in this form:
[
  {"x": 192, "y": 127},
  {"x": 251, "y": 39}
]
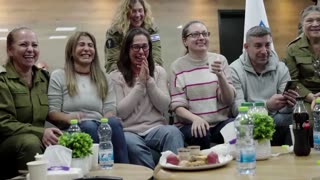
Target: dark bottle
[{"x": 301, "y": 129}]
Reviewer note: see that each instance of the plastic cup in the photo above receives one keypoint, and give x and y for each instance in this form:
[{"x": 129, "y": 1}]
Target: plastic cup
[
  {"x": 37, "y": 170},
  {"x": 184, "y": 154},
  {"x": 194, "y": 150},
  {"x": 291, "y": 133},
  {"x": 94, "y": 160}
]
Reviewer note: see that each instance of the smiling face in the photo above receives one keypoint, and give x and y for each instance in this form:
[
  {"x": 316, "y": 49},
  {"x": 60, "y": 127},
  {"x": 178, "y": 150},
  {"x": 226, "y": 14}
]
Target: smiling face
[
  {"x": 311, "y": 25},
  {"x": 259, "y": 49},
  {"x": 24, "y": 50},
  {"x": 84, "y": 52},
  {"x": 138, "y": 50},
  {"x": 196, "y": 44},
  {"x": 136, "y": 15}
]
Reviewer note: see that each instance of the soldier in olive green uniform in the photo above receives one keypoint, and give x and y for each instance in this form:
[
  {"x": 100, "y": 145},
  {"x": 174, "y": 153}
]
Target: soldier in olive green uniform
[
  {"x": 300, "y": 60},
  {"x": 303, "y": 60},
  {"x": 137, "y": 15},
  {"x": 23, "y": 104},
  {"x": 23, "y": 112},
  {"x": 114, "y": 43}
]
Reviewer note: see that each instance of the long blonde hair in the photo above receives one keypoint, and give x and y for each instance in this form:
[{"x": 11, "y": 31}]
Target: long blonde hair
[
  {"x": 97, "y": 76},
  {"x": 121, "y": 21}
]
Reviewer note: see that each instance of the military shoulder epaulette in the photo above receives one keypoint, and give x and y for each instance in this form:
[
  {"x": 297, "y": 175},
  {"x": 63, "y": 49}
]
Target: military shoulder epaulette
[
  {"x": 295, "y": 40},
  {"x": 46, "y": 74},
  {"x": 2, "y": 69}
]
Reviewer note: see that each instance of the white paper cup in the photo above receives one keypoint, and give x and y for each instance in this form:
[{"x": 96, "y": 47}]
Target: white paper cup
[
  {"x": 37, "y": 170},
  {"x": 94, "y": 160},
  {"x": 291, "y": 133}
]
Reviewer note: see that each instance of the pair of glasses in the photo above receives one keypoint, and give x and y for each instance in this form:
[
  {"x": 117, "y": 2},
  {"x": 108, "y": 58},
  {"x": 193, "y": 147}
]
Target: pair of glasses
[
  {"x": 137, "y": 47},
  {"x": 197, "y": 34}
]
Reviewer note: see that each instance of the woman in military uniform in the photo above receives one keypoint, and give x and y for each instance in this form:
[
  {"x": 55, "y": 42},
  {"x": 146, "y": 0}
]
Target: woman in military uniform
[
  {"x": 303, "y": 56},
  {"x": 130, "y": 13},
  {"x": 23, "y": 104}
]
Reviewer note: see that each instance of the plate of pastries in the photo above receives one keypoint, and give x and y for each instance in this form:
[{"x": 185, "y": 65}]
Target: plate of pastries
[{"x": 191, "y": 158}]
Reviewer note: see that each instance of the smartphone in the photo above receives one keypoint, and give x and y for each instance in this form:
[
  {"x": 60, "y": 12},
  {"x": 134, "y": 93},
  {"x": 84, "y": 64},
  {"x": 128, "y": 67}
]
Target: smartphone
[{"x": 292, "y": 84}]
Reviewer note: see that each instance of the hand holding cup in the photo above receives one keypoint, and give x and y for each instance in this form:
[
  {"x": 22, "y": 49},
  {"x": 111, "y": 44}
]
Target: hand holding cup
[{"x": 216, "y": 67}]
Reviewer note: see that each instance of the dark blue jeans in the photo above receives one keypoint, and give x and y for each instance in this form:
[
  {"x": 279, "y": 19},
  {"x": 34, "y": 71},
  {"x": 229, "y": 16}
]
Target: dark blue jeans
[
  {"x": 213, "y": 135},
  {"x": 119, "y": 143}
]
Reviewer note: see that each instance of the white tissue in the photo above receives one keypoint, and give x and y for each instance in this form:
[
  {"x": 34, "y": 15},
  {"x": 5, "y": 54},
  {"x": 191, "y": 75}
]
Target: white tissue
[{"x": 58, "y": 155}]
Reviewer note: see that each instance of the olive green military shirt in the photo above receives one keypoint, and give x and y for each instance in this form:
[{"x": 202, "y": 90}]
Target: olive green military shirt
[
  {"x": 113, "y": 45},
  {"x": 22, "y": 110},
  {"x": 300, "y": 62}
]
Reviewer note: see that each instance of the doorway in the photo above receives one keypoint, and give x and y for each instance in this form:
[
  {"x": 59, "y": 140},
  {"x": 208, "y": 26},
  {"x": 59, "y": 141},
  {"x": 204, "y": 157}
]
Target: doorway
[{"x": 231, "y": 27}]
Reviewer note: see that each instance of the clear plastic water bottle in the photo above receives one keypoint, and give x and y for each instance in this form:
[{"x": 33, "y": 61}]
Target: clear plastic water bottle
[
  {"x": 73, "y": 126},
  {"x": 316, "y": 125},
  {"x": 246, "y": 153},
  {"x": 105, "y": 145},
  {"x": 259, "y": 107}
]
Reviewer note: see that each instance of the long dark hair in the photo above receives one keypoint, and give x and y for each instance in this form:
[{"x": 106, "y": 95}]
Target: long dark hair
[{"x": 124, "y": 63}]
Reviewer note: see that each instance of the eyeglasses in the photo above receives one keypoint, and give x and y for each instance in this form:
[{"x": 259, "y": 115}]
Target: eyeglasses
[
  {"x": 197, "y": 34},
  {"x": 137, "y": 47}
]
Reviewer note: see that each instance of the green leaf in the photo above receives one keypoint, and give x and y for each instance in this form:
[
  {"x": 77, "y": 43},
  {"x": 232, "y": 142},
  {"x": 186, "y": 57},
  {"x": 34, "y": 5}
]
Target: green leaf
[
  {"x": 79, "y": 143},
  {"x": 264, "y": 126}
]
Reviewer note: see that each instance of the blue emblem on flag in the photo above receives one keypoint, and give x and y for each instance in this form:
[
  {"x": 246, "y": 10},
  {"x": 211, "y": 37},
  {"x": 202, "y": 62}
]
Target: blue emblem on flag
[{"x": 263, "y": 25}]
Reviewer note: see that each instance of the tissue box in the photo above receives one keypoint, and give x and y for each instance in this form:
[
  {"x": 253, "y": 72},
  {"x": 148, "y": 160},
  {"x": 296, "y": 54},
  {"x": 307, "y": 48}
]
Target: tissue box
[{"x": 73, "y": 173}]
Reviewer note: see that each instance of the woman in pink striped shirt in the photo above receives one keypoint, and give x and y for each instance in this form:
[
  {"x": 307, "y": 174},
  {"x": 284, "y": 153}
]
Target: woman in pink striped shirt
[{"x": 201, "y": 88}]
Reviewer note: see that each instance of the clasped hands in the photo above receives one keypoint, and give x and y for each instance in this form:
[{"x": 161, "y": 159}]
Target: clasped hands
[{"x": 143, "y": 76}]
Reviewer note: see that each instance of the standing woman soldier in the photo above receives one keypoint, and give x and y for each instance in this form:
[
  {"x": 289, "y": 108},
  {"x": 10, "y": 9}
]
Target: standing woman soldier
[
  {"x": 130, "y": 14},
  {"x": 23, "y": 104}
]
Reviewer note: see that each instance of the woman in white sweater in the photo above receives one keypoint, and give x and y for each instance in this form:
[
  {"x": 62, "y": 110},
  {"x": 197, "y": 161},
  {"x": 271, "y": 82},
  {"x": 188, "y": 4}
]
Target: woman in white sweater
[{"x": 201, "y": 88}]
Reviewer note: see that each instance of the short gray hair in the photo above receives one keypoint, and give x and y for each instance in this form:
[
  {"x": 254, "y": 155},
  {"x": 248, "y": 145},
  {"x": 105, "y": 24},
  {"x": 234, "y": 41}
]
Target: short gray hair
[
  {"x": 257, "y": 31},
  {"x": 308, "y": 10}
]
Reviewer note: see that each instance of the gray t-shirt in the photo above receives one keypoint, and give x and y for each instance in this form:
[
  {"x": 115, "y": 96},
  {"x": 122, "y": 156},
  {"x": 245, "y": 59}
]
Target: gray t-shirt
[{"x": 86, "y": 101}]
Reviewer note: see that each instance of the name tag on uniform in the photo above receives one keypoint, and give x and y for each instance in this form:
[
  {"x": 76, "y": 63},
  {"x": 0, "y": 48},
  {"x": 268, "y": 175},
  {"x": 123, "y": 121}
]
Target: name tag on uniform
[{"x": 155, "y": 37}]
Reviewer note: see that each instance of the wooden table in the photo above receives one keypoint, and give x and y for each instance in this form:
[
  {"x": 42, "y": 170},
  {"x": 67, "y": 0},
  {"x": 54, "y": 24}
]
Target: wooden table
[
  {"x": 126, "y": 171},
  {"x": 284, "y": 166}
]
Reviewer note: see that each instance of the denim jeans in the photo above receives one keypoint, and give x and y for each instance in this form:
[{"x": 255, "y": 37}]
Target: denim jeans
[
  {"x": 282, "y": 135},
  {"x": 119, "y": 143},
  {"x": 213, "y": 135},
  {"x": 161, "y": 139}
]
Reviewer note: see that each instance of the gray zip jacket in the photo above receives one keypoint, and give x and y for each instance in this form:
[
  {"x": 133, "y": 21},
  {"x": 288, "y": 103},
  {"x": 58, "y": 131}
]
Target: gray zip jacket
[{"x": 252, "y": 87}]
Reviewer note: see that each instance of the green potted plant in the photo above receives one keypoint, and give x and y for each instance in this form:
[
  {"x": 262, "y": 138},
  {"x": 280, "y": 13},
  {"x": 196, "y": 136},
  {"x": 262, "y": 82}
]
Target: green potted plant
[
  {"x": 81, "y": 145},
  {"x": 263, "y": 130}
]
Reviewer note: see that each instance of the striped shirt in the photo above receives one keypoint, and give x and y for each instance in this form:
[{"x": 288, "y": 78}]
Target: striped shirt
[{"x": 194, "y": 87}]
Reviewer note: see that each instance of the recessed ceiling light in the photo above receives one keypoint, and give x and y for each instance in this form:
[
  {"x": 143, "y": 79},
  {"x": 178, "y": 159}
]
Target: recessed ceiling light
[
  {"x": 66, "y": 28},
  {"x": 4, "y": 30},
  {"x": 57, "y": 37},
  {"x": 3, "y": 38}
]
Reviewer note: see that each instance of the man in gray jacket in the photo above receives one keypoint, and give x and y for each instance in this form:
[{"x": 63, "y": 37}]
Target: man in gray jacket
[{"x": 258, "y": 75}]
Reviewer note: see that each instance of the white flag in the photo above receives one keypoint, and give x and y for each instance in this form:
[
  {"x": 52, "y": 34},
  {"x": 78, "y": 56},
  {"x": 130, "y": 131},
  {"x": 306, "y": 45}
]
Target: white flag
[{"x": 255, "y": 16}]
